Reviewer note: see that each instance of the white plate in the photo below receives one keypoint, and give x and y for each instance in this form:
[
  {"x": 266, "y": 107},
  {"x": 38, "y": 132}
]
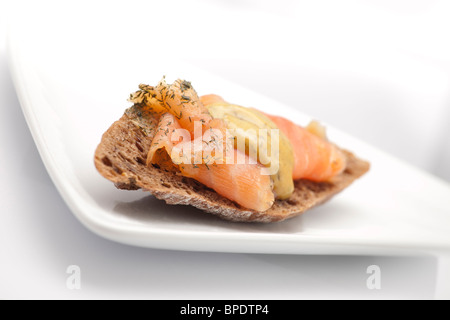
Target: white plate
[{"x": 73, "y": 80}]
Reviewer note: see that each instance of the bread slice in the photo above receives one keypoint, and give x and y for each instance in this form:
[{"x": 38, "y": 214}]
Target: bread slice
[{"x": 121, "y": 157}]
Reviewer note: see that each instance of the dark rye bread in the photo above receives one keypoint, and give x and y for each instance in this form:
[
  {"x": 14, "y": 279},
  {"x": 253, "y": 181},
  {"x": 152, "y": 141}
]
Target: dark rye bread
[{"x": 121, "y": 158}]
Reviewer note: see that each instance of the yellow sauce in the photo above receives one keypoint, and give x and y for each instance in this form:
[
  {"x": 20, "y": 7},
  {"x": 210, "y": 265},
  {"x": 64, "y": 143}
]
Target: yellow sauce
[{"x": 256, "y": 135}]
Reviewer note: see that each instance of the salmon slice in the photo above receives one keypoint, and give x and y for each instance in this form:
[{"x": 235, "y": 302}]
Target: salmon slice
[
  {"x": 179, "y": 99},
  {"x": 209, "y": 99},
  {"x": 182, "y": 101},
  {"x": 150, "y": 99},
  {"x": 242, "y": 183},
  {"x": 316, "y": 159},
  {"x": 164, "y": 141},
  {"x": 247, "y": 184}
]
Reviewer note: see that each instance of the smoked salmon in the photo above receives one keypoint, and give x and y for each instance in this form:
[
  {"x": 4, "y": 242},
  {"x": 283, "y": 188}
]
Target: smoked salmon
[
  {"x": 316, "y": 159},
  {"x": 212, "y": 164},
  {"x": 193, "y": 143},
  {"x": 244, "y": 183}
]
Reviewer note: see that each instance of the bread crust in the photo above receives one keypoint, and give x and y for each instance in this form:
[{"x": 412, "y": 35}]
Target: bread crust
[{"x": 121, "y": 157}]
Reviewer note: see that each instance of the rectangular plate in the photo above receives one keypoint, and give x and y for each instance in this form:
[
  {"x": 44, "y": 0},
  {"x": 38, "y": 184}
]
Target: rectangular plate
[{"x": 73, "y": 79}]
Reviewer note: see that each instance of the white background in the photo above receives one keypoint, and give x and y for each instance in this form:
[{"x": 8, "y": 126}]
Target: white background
[{"x": 408, "y": 40}]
